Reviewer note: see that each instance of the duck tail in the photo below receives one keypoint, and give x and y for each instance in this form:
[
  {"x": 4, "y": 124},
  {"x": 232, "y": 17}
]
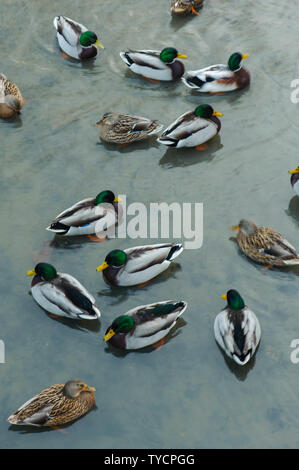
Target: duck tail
[
  {"x": 292, "y": 262},
  {"x": 193, "y": 82},
  {"x": 175, "y": 251},
  {"x": 167, "y": 141},
  {"x": 126, "y": 58},
  {"x": 58, "y": 227}
]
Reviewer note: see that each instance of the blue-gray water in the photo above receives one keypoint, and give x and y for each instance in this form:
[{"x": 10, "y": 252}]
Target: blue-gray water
[{"x": 184, "y": 394}]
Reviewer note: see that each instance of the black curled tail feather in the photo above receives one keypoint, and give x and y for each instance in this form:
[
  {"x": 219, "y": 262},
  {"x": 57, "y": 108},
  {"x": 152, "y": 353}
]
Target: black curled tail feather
[{"x": 173, "y": 250}]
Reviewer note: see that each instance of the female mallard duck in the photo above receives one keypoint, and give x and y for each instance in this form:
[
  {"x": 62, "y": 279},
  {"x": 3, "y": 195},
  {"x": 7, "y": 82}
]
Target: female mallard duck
[
  {"x": 144, "y": 325},
  {"x": 75, "y": 40},
  {"x": 11, "y": 100},
  {"x": 154, "y": 64},
  {"x": 237, "y": 329},
  {"x": 295, "y": 179},
  {"x": 219, "y": 78},
  {"x": 264, "y": 245},
  {"x": 56, "y": 405},
  {"x": 193, "y": 128},
  {"x": 186, "y": 7},
  {"x": 137, "y": 265},
  {"x": 61, "y": 294},
  {"x": 89, "y": 216},
  {"x": 126, "y": 129}
]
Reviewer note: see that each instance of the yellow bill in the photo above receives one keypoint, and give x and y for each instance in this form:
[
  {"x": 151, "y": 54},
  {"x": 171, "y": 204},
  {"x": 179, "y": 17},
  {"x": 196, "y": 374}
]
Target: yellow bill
[
  {"x": 86, "y": 388},
  {"x": 99, "y": 44},
  {"x": 118, "y": 199},
  {"x": 109, "y": 335},
  {"x": 234, "y": 228},
  {"x": 182, "y": 56},
  {"x": 31, "y": 273},
  {"x": 216, "y": 113},
  {"x": 293, "y": 172},
  {"x": 102, "y": 266},
  {"x": 224, "y": 297},
  {"x": 244, "y": 56}
]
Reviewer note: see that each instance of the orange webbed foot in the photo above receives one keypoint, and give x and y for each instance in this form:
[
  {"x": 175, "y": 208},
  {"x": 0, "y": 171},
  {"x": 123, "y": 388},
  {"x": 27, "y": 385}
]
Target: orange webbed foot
[
  {"x": 56, "y": 428},
  {"x": 44, "y": 254},
  {"x": 125, "y": 144},
  {"x": 159, "y": 343},
  {"x": 144, "y": 284},
  {"x": 194, "y": 12},
  {"x": 201, "y": 147},
  {"x": 268, "y": 266},
  {"x": 65, "y": 56},
  {"x": 152, "y": 80},
  {"x": 95, "y": 238}
]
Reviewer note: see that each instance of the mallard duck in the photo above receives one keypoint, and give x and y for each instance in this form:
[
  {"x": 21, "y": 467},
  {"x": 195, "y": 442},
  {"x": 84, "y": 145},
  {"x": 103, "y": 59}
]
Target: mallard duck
[
  {"x": 144, "y": 325},
  {"x": 61, "y": 294},
  {"x": 139, "y": 264},
  {"x": 186, "y": 7},
  {"x": 193, "y": 128},
  {"x": 264, "y": 245},
  {"x": 75, "y": 40},
  {"x": 219, "y": 78},
  {"x": 11, "y": 100},
  {"x": 56, "y": 405},
  {"x": 89, "y": 216},
  {"x": 237, "y": 329},
  {"x": 295, "y": 179},
  {"x": 126, "y": 129},
  {"x": 154, "y": 64}
]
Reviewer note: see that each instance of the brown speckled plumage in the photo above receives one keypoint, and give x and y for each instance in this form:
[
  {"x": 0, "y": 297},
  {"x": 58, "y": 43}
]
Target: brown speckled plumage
[
  {"x": 267, "y": 246},
  {"x": 126, "y": 129},
  {"x": 52, "y": 407},
  {"x": 185, "y": 7},
  {"x": 11, "y": 100}
]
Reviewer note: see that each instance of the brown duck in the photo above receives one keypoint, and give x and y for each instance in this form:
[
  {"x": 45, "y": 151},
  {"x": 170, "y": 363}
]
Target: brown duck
[
  {"x": 126, "y": 129},
  {"x": 11, "y": 100},
  {"x": 56, "y": 405},
  {"x": 186, "y": 7},
  {"x": 265, "y": 245}
]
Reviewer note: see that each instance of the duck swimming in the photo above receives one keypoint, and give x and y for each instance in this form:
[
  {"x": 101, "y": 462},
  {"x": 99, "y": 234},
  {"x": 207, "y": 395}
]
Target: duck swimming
[{"x": 75, "y": 40}]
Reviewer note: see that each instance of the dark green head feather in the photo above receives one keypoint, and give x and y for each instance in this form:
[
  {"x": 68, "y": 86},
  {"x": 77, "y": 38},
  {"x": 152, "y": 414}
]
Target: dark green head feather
[
  {"x": 234, "y": 300},
  {"x": 116, "y": 258},
  {"x": 123, "y": 324},
  {"x": 88, "y": 38},
  {"x": 46, "y": 271},
  {"x": 104, "y": 196}
]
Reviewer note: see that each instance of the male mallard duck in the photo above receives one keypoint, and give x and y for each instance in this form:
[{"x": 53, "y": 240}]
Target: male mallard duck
[
  {"x": 192, "y": 128},
  {"x": 237, "y": 329},
  {"x": 144, "y": 325},
  {"x": 264, "y": 245},
  {"x": 219, "y": 78},
  {"x": 62, "y": 294},
  {"x": 154, "y": 64},
  {"x": 75, "y": 40},
  {"x": 89, "y": 216},
  {"x": 56, "y": 405},
  {"x": 295, "y": 179},
  {"x": 139, "y": 264},
  {"x": 11, "y": 100},
  {"x": 125, "y": 129},
  {"x": 186, "y": 7}
]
